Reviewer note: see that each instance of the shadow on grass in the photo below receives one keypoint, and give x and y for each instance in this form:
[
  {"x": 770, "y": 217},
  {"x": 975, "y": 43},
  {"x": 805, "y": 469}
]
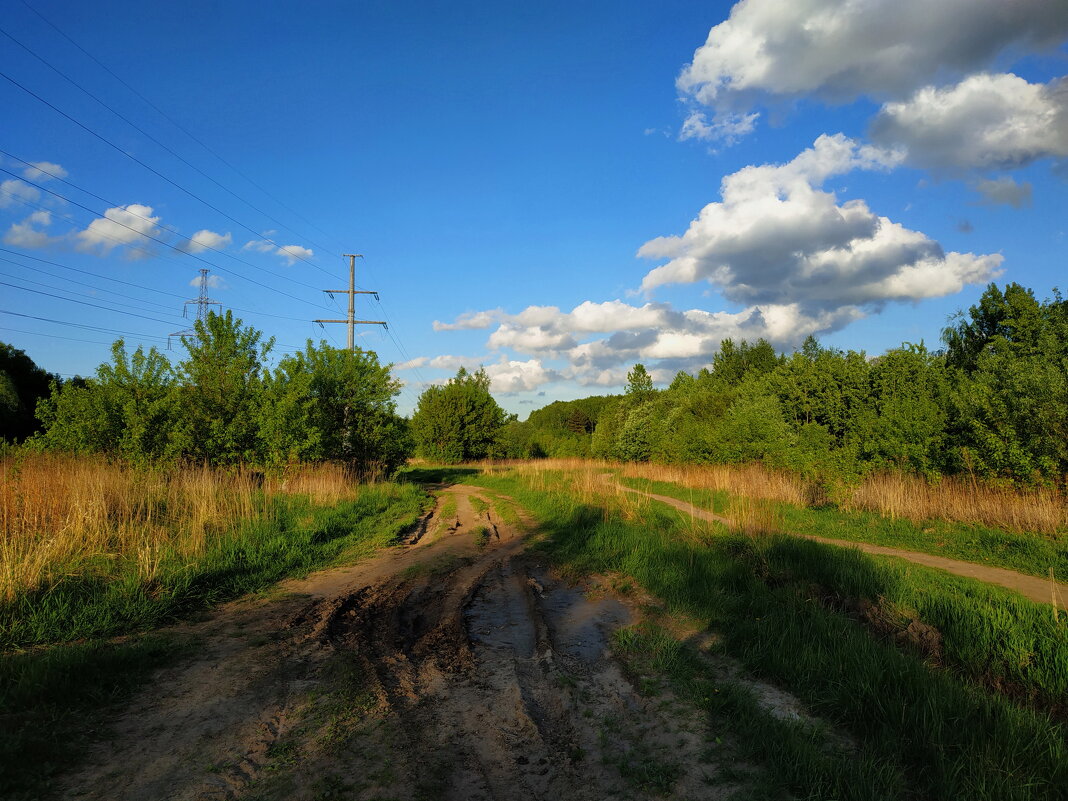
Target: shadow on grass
[
  {"x": 786, "y": 609},
  {"x": 438, "y": 474},
  {"x": 54, "y": 702}
]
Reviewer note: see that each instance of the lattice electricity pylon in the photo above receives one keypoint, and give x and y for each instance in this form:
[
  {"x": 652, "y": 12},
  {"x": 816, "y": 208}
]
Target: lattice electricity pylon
[{"x": 203, "y": 304}]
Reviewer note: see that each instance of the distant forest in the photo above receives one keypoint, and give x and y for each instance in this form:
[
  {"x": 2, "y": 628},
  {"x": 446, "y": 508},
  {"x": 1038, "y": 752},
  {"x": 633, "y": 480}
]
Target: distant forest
[{"x": 992, "y": 403}]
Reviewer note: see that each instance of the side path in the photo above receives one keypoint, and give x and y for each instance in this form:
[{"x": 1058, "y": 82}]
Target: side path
[{"x": 1039, "y": 590}]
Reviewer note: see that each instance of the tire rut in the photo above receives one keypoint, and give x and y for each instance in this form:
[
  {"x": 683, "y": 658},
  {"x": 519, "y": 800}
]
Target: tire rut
[{"x": 454, "y": 667}]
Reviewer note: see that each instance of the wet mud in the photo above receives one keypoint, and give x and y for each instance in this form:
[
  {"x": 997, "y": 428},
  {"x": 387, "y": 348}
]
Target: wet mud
[{"x": 457, "y": 665}]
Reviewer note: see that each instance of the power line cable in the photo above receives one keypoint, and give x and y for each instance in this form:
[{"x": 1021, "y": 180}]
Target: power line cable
[
  {"x": 90, "y": 272},
  {"x": 83, "y": 325},
  {"x": 128, "y": 283},
  {"x": 54, "y": 336},
  {"x": 150, "y": 137},
  {"x": 176, "y": 124},
  {"x": 86, "y": 303},
  {"x": 152, "y": 221},
  {"x": 81, "y": 283},
  {"x": 154, "y": 171}
]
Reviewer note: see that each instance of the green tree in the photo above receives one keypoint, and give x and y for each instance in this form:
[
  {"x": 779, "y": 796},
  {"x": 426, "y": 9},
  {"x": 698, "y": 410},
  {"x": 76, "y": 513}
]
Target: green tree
[
  {"x": 22, "y": 385},
  {"x": 127, "y": 409},
  {"x": 458, "y": 421},
  {"x": 639, "y": 384},
  {"x": 220, "y": 388},
  {"x": 335, "y": 404},
  {"x": 1009, "y": 404}
]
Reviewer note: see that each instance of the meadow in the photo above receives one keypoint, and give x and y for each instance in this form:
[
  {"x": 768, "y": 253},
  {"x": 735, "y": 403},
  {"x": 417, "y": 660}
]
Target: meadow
[
  {"x": 914, "y": 683},
  {"x": 95, "y": 555},
  {"x": 922, "y": 684}
]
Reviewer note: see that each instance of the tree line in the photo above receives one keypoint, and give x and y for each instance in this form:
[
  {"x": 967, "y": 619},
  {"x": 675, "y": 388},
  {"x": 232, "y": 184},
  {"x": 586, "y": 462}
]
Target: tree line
[
  {"x": 222, "y": 405},
  {"x": 993, "y": 402}
]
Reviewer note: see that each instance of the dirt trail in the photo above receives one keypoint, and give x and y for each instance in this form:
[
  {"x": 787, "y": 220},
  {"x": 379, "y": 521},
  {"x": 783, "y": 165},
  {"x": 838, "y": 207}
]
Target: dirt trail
[
  {"x": 1039, "y": 590},
  {"x": 454, "y": 666}
]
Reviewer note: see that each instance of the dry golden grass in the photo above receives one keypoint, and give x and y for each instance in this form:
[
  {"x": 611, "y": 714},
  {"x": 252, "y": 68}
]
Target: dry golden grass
[
  {"x": 889, "y": 494},
  {"x": 58, "y": 512}
]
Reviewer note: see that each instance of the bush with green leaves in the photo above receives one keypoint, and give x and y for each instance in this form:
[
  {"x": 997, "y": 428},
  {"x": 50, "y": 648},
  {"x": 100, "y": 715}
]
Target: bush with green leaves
[
  {"x": 222, "y": 405},
  {"x": 459, "y": 421},
  {"x": 993, "y": 403}
]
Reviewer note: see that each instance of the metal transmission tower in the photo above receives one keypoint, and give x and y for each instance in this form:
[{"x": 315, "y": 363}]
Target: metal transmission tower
[
  {"x": 352, "y": 292},
  {"x": 202, "y": 302}
]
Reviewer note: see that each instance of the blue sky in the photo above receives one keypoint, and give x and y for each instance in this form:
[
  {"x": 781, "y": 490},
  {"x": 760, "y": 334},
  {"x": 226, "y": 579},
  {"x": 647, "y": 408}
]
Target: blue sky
[{"x": 857, "y": 171}]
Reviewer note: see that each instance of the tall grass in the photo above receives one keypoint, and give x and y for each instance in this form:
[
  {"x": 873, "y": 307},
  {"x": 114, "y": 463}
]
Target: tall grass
[
  {"x": 90, "y": 547},
  {"x": 893, "y": 495},
  {"x": 962, "y": 716},
  {"x": 59, "y": 514}
]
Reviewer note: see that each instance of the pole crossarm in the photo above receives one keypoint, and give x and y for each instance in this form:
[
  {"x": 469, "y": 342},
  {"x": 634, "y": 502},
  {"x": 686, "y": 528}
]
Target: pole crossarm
[
  {"x": 357, "y": 322},
  {"x": 352, "y": 292}
]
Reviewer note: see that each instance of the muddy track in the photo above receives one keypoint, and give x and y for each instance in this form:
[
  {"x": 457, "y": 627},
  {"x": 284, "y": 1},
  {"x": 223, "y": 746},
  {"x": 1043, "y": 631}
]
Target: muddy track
[
  {"x": 1039, "y": 590},
  {"x": 455, "y": 666}
]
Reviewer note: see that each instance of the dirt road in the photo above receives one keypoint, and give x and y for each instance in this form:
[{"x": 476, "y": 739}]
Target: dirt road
[
  {"x": 1039, "y": 590},
  {"x": 455, "y": 666}
]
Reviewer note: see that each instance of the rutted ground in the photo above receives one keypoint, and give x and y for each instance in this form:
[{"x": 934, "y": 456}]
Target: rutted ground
[{"x": 455, "y": 666}]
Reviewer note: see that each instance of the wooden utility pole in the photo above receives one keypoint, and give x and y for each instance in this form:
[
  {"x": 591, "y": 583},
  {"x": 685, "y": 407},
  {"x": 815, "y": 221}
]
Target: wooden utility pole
[{"x": 352, "y": 292}]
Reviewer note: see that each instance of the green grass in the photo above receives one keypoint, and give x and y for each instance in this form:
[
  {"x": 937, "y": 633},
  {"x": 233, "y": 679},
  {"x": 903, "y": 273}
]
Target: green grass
[
  {"x": 481, "y": 535},
  {"x": 1033, "y": 554},
  {"x": 448, "y": 508},
  {"x": 782, "y": 606},
  {"x": 478, "y": 505},
  {"x": 53, "y": 702},
  {"x": 112, "y": 598},
  {"x": 54, "y": 699}
]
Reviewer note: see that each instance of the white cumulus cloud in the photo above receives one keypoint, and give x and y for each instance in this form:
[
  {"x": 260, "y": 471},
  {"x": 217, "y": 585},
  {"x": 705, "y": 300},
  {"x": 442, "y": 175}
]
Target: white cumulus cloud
[
  {"x": 132, "y": 224},
  {"x": 845, "y": 50},
  {"x": 28, "y": 234},
  {"x": 44, "y": 171},
  {"x": 259, "y": 246},
  {"x": 986, "y": 121},
  {"x": 15, "y": 192},
  {"x": 294, "y": 253},
  {"x": 290, "y": 254},
  {"x": 776, "y": 238},
  {"x": 207, "y": 240}
]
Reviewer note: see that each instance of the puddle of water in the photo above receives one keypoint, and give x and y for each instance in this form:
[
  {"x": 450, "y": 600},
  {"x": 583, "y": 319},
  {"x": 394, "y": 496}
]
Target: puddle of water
[
  {"x": 499, "y": 616},
  {"x": 580, "y": 627}
]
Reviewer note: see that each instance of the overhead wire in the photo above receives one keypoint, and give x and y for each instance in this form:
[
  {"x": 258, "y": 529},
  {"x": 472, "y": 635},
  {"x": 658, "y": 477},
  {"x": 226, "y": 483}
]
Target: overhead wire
[
  {"x": 151, "y": 220},
  {"x": 86, "y": 303},
  {"x": 175, "y": 123},
  {"x": 155, "y": 239},
  {"x": 281, "y": 248},
  {"x": 81, "y": 325},
  {"x": 81, "y": 283},
  {"x": 183, "y": 298},
  {"x": 53, "y": 336}
]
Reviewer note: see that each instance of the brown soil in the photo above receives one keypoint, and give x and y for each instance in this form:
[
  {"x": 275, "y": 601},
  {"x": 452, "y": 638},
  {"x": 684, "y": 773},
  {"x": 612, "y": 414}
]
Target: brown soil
[
  {"x": 1041, "y": 591},
  {"x": 454, "y": 666}
]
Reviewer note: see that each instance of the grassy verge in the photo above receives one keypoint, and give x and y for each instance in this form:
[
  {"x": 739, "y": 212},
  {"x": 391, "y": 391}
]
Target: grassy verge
[
  {"x": 53, "y": 699},
  {"x": 51, "y": 704},
  {"x": 1033, "y": 554},
  {"x": 832, "y": 626},
  {"x": 108, "y": 595}
]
